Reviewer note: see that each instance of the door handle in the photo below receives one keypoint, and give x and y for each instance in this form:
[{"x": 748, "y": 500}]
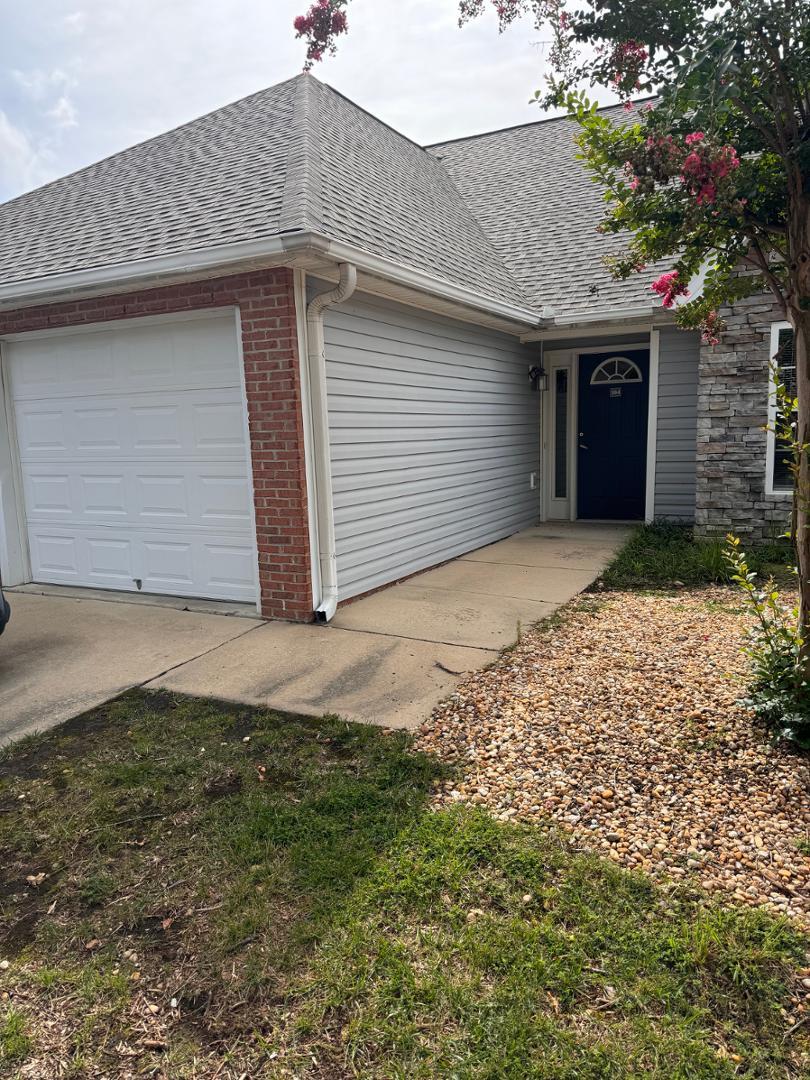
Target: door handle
[{"x": 582, "y": 446}]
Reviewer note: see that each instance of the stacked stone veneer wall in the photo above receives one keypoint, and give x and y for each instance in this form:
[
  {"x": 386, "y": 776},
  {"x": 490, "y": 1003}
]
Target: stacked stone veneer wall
[{"x": 731, "y": 439}]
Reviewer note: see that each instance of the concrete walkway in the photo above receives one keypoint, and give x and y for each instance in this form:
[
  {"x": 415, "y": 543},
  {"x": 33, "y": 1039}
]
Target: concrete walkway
[
  {"x": 385, "y": 659},
  {"x": 390, "y": 657}
]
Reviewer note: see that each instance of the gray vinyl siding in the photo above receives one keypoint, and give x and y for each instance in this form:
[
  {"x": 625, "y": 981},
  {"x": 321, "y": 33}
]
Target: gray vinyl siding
[
  {"x": 434, "y": 433},
  {"x": 679, "y": 354}
]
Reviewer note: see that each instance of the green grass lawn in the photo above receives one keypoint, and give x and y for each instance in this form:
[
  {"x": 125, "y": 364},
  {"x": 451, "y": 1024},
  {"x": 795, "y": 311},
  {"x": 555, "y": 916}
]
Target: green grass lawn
[
  {"x": 189, "y": 889},
  {"x": 664, "y": 555}
]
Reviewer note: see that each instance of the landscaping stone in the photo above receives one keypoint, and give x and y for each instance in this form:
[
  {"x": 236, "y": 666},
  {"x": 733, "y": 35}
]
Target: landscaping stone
[{"x": 622, "y": 723}]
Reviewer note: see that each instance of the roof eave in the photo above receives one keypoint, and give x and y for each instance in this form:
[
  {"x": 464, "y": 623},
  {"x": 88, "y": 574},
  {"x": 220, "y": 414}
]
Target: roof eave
[
  {"x": 640, "y": 315},
  {"x": 290, "y": 249}
]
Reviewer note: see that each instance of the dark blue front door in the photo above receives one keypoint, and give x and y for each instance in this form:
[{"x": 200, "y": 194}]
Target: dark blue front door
[{"x": 612, "y": 454}]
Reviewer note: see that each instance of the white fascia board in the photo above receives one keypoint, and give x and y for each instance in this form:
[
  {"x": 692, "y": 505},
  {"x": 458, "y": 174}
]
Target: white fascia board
[
  {"x": 187, "y": 264},
  {"x": 274, "y": 250},
  {"x": 631, "y": 319},
  {"x": 418, "y": 279}
]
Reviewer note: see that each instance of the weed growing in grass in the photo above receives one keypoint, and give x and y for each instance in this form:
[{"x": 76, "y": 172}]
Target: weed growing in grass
[{"x": 15, "y": 1042}]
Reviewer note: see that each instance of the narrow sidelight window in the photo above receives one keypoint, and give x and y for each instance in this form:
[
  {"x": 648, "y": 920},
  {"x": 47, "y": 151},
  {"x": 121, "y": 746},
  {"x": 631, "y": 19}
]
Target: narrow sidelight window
[{"x": 560, "y": 434}]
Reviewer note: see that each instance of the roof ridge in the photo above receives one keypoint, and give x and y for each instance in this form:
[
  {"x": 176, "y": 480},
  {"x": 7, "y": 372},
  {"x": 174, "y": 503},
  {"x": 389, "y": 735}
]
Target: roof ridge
[
  {"x": 529, "y": 123},
  {"x": 488, "y": 241},
  {"x": 434, "y": 163},
  {"x": 302, "y": 203},
  {"x": 367, "y": 112}
]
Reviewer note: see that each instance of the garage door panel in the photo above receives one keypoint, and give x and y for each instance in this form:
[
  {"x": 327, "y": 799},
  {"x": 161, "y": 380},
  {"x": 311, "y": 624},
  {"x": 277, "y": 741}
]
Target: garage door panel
[
  {"x": 49, "y": 495},
  {"x": 231, "y": 566},
  {"x": 41, "y": 431},
  {"x": 201, "y": 424},
  {"x": 203, "y": 563},
  {"x": 110, "y": 560},
  {"x": 218, "y": 426},
  {"x": 168, "y": 566},
  {"x": 54, "y": 557},
  {"x": 135, "y": 357},
  {"x": 136, "y": 476},
  {"x": 162, "y": 499},
  {"x": 155, "y": 427},
  {"x": 224, "y": 500},
  {"x": 101, "y": 496},
  {"x": 180, "y": 355},
  {"x": 123, "y": 495},
  {"x": 97, "y": 428}
]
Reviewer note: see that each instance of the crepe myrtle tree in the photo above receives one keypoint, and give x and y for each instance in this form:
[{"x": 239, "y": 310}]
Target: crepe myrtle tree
[{"x": 711, "y": 176}]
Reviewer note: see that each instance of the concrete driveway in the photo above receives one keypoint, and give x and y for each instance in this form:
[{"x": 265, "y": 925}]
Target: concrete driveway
[
  {"x": 385, "y": 659},
  {"x": 61, "y": 655}
]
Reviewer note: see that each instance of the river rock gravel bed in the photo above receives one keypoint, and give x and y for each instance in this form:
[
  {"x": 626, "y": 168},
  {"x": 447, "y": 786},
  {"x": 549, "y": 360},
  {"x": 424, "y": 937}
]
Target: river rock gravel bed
[{"x": 620, "y": 719}]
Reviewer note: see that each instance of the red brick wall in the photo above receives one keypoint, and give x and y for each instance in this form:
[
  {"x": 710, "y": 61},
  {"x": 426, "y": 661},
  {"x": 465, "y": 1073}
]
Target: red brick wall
[{"x": 270, "y": 348}]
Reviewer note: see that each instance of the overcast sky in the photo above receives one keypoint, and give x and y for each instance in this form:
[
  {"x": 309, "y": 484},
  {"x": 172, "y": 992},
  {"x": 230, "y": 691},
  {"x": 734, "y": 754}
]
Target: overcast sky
[{"x": 81, "y": 79}]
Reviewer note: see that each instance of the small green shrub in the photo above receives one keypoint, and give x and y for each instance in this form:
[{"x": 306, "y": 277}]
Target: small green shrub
[
  {"x": 779, "y": 693},
  {"x": 666, "y": 554}
]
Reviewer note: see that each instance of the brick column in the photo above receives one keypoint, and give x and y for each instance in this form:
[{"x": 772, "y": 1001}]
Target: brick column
[{"x": 266, "y": 301}]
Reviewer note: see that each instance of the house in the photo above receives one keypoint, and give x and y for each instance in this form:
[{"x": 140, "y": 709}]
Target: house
[{"x": 284, "y": 355}]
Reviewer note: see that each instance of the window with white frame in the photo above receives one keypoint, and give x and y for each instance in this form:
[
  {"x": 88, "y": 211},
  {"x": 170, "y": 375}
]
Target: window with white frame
[{"x": 778, "y": 478}]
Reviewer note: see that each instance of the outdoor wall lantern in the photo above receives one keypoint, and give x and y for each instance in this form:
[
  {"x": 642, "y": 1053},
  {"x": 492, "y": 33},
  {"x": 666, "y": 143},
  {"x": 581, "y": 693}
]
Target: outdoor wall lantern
[{"x": 538, "y": 377}]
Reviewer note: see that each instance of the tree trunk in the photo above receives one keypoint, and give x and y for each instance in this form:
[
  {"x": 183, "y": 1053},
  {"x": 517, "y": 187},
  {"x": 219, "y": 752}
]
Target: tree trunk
[
  {"x": 800, "y": 344},
  {"x": 799, "y": 315}
]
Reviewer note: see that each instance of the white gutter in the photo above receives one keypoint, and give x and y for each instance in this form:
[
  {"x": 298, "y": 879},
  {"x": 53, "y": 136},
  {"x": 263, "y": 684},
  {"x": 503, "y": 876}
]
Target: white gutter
[
  {"x": 418, "y": 279},
  {"x": 277, "y": 250},
  {"x": 134, "y": 273},
  {"x": 554, "y": 327},
  {"x": 325, "y": 511}
]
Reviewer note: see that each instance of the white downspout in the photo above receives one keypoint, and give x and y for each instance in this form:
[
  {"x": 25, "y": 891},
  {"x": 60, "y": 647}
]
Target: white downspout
[{"x": 325, "y": 511}]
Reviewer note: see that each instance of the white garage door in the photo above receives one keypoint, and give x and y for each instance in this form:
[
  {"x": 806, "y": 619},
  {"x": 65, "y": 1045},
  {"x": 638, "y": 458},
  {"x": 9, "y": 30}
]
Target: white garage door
[{"x": 133, "y": 456}]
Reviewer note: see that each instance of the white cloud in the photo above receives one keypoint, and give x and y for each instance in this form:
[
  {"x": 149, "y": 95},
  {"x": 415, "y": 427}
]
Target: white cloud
[
  {"x": 23, "y": 164},
  {"x": 130, "y": 76},
  {"x": 75, "y": 22},
  {"x": 64, "y": 113},
  {"x": 39, "y": 84}
]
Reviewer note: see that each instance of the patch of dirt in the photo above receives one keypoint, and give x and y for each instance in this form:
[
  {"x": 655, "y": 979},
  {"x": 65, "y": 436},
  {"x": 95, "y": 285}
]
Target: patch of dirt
[
  {"x": 622, "y": 722},
  {"x": 62, "y": 744}
]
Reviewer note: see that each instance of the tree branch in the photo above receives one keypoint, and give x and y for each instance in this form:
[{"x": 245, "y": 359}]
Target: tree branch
[{"x": 760, "y": 262}]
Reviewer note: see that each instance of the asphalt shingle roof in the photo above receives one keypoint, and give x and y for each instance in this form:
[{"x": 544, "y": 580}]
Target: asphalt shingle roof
[
  {"x": 216, "y": 180},
  {"x": 540, "y": 209},
  {"x": 293, "y": 158},
  {"x": 510, "y": 215}
]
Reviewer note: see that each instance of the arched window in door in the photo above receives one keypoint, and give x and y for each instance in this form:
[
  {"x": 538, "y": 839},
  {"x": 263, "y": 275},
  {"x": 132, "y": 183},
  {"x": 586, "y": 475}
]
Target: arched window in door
[{"x": 616, "y": 369}]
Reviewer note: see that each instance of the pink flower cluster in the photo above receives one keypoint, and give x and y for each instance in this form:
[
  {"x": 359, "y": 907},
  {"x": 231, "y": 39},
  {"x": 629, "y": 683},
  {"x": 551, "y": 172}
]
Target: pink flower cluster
[
  {"x": 704, "y": 167},
  {"x": 324, "y": 21},
  {"x": 626, "y": 61},
  {"x": 711, "y": 327},
  {"x": 668, "y": 287}
]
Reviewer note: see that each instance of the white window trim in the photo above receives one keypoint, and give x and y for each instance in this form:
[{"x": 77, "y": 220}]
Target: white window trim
[
  {"x": 770, "y": 446},
  {"x": 652, "y": 427}
]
